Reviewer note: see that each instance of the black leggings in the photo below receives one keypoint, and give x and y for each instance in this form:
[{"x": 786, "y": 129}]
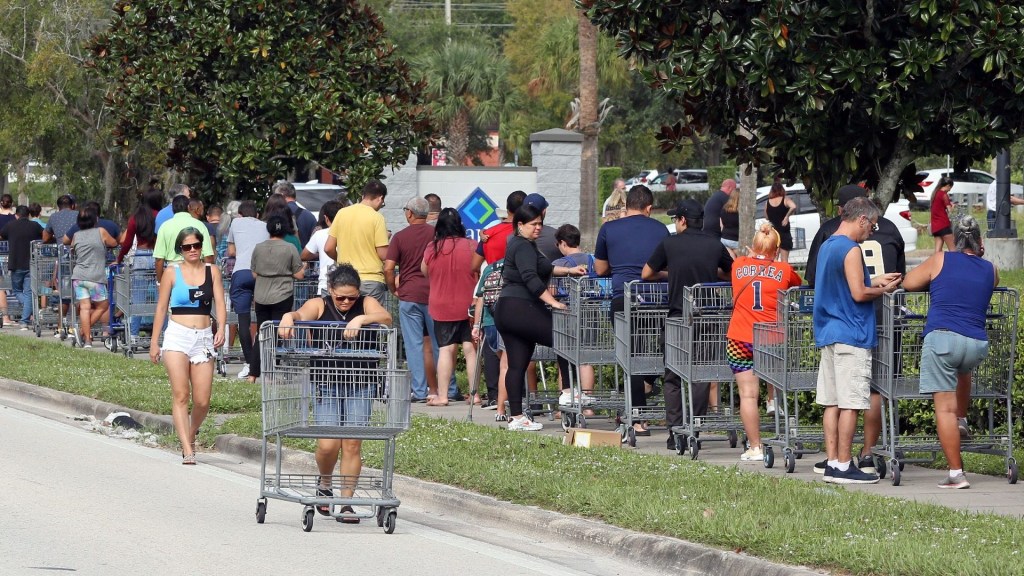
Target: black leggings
[
  {"x": 245, "y": 336},
  {"x": 523, "y": 324},
  {"x": 267, "y": 313}
]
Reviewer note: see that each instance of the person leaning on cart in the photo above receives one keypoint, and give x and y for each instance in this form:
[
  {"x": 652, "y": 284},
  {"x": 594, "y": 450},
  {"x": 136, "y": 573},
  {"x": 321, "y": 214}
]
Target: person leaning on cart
[
  {"x": 190, "y": 289},
  {"x": 338, "y": 404},
  {"x": 960, "y": 284}
]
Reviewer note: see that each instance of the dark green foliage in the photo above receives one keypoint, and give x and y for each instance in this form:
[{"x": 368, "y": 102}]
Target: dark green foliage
[
  {"x": 718, "y": 174},
  {"x": 605, "y": 182}
]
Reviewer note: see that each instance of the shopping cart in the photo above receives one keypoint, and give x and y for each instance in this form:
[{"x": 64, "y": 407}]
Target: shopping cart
[
  {"x": 306, "y": 370},
  {"x": 46, "y": 309},
  {"x": 896, "y": 371},
  {"x": 638, "y": 345},
  {"x": 135, "y": 296},
  {"x": 785, "y": 356},
  {"x": 544, "y": 400},
  {"x": 307, "y": 288},
  {"x": 695, "y": 346},
  {"x": 583, "y": 335}
]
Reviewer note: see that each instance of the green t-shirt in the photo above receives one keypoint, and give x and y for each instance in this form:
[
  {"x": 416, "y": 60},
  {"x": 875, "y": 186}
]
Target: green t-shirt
[
  {"x": 168, "y": 235},
  {"x": 486, "y": 320}
]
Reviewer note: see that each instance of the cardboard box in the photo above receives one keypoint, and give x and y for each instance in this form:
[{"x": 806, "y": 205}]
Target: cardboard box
[{"x": 586, "y": 438}]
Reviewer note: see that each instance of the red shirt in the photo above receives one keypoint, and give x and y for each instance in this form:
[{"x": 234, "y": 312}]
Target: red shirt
[
  {"x": 452, "y": 278},
  {"x": 755, "y": 288},
  {"x": 497, "y": 241},
  {"x": 406, "y": 249},
  {"x": 940, "y": 211}
]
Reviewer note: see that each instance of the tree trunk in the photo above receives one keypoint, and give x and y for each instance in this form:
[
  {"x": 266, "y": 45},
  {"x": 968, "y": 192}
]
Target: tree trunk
[
  {"x": 590, "y": 128},
  {"x": 748, "y": 204},
  {"x": 458, "y": 139},
  {"x": 890, "y": 173},
  {"x": 108, "y": 161}
]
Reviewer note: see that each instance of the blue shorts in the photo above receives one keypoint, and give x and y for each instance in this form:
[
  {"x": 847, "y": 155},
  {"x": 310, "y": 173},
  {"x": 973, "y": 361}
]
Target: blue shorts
[
  {"x": 342, "y": 404},
  {"x": 944, "y": 354},
  {"x": 493, "y": 339}
]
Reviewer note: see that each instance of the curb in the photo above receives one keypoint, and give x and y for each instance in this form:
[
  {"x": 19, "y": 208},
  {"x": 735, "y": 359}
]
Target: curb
[{"x": 657, "y": 552}]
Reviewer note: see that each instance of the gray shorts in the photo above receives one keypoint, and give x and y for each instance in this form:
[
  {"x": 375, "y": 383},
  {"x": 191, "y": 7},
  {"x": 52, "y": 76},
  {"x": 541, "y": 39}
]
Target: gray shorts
[
  {"x": 944, "y": 354},
  {"x": 378, "y": 290},
  {"x": 844, "y": 377}
]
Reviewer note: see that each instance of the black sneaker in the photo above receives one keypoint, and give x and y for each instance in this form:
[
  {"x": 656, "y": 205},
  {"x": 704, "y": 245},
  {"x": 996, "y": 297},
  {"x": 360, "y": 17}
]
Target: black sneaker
[
  {"x": 867, "y": 465},
  {"x": 819, "y": 467},
  {"x": 852, "y": 475},
  {"x": 670, "y": 444}
]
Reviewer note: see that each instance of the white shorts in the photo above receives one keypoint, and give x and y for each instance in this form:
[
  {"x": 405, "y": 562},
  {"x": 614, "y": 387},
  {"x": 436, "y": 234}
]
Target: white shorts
[
  {"x": 844, "y": 377},
  {"x": 196, "y": 344}
]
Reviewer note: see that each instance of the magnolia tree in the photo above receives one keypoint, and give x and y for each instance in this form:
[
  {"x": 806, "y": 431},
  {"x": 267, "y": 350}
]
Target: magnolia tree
[
  {"x": 242, "y": 91},
  {"x": 830, "y": 92}
]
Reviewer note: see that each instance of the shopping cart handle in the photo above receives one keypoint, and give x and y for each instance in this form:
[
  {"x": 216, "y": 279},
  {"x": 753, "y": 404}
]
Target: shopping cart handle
[{"x": 322, "y": 324}]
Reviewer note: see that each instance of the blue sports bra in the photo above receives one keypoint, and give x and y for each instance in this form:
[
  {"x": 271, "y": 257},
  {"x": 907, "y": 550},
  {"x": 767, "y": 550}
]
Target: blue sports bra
[{"x": 192, "y": 300}]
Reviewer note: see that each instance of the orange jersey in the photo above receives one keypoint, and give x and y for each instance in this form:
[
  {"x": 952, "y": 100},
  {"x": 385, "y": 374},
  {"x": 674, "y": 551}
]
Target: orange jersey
[{"x": 755, "y": 287}]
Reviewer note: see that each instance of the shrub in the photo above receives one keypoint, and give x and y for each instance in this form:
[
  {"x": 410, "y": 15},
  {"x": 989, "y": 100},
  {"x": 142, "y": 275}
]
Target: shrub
[{"x": 605, "y": 181}]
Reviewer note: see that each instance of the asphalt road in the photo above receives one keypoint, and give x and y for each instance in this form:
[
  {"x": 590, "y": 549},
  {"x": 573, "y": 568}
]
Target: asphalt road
[{"x": 77, "y": 501}]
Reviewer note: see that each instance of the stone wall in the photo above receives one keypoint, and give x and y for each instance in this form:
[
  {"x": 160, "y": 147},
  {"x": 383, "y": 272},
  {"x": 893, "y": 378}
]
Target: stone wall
[{"x": 556, "y": 155}]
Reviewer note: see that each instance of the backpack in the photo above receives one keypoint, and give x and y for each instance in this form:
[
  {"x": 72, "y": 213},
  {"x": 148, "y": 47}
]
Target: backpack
[{"x": 493, "y": 283}]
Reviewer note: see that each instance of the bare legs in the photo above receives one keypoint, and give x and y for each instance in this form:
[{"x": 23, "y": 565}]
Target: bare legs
[
  {"x": 748, "y": 385},
  {"x": 946, "y": 240},
  {"x": 188, "y": 381},
  {"x": 89, "y": 314},
  {"x": 351, "y": 462},
  {"x": 839, "y": 427}
]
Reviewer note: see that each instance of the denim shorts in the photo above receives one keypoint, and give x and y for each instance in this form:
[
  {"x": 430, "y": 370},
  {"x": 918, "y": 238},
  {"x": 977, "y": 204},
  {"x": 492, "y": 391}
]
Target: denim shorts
[
  {"x": 196, "y": 344},
  {"x": 342, "y": 404},
  {"x": 943, "y": 355},
  {"x": 493, "y": 339},
  {"x": 95, "y": 291}
]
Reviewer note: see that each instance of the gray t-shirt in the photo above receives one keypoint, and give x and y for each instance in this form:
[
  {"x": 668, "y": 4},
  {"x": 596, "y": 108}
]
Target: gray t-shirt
[
  {"x": 274, "y": 262},
  {"x": 90, "y": 256},
  {"x": 547, "y": 244},
  {"x": 60, "y": 222},
  {"x": 245, "y": 233}
]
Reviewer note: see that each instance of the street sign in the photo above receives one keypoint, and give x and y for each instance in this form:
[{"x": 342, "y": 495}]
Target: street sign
[{"x": 478, "y": 211}]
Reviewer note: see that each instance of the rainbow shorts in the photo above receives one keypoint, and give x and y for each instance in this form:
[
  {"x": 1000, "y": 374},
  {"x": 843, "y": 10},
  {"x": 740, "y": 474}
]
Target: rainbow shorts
[{"x": 739, "y": 355}]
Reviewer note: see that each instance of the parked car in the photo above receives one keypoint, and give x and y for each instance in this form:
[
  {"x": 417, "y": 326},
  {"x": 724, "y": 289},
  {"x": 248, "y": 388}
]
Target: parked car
[
  {"x": 643, "y": 177},
  {"x": 968, "y": 187},
  {"x": 687, "y": 180}
]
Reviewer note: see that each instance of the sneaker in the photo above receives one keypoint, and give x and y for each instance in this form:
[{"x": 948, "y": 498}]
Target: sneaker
[
  {"x": 524, "y": 424},
  {"x": 24, "y": 328},
  {"x": 244, "y": 372},
  {"x": 87, "y": 345},
  {"x": 769, "y": 409},
  {"x": 819, "y": 467},
  {"x": 585, "y": 399},
  {"x": 965, "y": 433},
  {"x": 866, "y": 464},
  {"x": 852, "y": 475},
  {"x": 565, "y": 398},
  {"x": 500, "y": 418},
  {"x": 828, "y": 473},
  {"x": 955, "y": 482},
  {"x": 492, "y": 405},
  {"x": 752, "y": 455}
]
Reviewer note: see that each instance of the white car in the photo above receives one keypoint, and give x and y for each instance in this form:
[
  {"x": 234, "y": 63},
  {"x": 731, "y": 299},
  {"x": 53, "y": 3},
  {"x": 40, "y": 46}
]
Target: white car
[
  {"x": 968, "y": 187},
  {"x": 804, "y": 224},
  {"x": 687, "y": 180},
  {"x": 644, "y": 177}
]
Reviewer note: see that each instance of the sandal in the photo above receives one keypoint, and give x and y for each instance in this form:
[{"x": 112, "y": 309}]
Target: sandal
[
  {"x": 324, "y": 509},
  {"x": 347, "y": 519},
  {"x": 188, "y": 459}
]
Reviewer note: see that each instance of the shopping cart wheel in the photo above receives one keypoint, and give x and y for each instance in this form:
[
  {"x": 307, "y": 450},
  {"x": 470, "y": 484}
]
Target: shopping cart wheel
[
  {"x": 694, "y": 447},
  {"x": 896, "y": 466},
  {"x": 734, "y": 439},
  {"x": 789, "y": 458},
  {"x": 769, "y": 457},
  {"x": 880, "y": 467},
  {"x": 680, "y": 444},
  {"x": 129, "y": 353},
  {"x": 110, "y": 343},
  {"x": 261, "y": 511},
  {"x": 390, "y": 521},
  {"x": 39, "y": 330},
  {"x": 307, "y": 518},
  {"x": 567, "y": 421},
  {"x": 1011, "y": 471},
  {"x": 380, "y": 517},
  {"x": 581, "y": 421},
  {"x": 798, "y": 453},
  {"x": 631, "y": 436}
]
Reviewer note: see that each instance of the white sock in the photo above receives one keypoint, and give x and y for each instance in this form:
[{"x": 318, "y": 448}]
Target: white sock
[
  {"x": 833, "y": 463},
  {"x": 842, "y": 466},
  {"x": 953, "y": 472}
]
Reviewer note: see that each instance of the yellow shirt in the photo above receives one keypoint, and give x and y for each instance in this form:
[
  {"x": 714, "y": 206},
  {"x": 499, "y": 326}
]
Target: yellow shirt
[{"x": 359, "y": 231}]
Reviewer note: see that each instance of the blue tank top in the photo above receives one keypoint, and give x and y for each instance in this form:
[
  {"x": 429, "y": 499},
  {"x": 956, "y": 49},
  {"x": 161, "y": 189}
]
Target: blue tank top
[
  {"x": 838, "y": 319},
  {"x": 960, "y": 295},
  {"x": 192, "y": 300}
]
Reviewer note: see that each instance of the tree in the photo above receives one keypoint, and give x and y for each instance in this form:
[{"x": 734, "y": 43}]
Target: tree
[
  {"x": 832, "y": 91},
  {"x": 244, "y": 92},
  {"x": 590, "y": 127}
]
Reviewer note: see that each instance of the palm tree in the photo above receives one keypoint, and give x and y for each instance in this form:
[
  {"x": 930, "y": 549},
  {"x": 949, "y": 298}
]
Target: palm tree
[
  {"x": 590, "y": 128},
  {"x": 467, "y": 87}
]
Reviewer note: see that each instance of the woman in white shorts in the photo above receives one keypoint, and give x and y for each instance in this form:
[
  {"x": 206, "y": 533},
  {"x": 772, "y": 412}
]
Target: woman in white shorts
[{"x": 189, "y": 289}]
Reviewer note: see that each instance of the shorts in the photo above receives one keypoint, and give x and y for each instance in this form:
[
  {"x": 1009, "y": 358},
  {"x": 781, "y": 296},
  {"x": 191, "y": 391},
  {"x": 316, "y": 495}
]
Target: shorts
[
  {"x": 94, "y": 291},
  {"x": 342, "y": 404},
  {"x": 844, "y": 377},
  {"x": 493, "y": 339},
  {"x": 734, "y": 244},
  {"x": 448, "y": 333},
  {"x": 947, "y": 231},
  {"x": 196, "y": 344},
  {"x": 739, "y": 356},
  {"x": 242, "y": 287},
  {"x": 944, "y": 354}
]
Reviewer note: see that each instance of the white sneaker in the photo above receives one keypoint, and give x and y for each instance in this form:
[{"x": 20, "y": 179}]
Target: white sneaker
[
  {"x": 244, "y": 372},
  {"x": 86, "y": 345},
  {"x": 565, "y": 399},
  {"x": 769, "y": 407},
  {"x": 752, "y": 455},
  {"x": 522, "y": 423},
  {"x": 585, "y": 400}
]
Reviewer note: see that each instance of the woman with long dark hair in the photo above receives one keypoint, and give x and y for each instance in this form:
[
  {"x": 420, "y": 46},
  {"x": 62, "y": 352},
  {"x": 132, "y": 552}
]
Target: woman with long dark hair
[
  {"x": 777, "y": 210},
  {"x": 448, "y": 265},
  {"x": 140, "y": 233},
  {"x": 278, "y": 204}
]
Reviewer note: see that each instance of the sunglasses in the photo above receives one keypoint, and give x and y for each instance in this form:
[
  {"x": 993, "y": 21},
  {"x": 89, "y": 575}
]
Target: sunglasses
[
  {"x": 191, "y": 247},
  {"x": 345, "y": 298}
]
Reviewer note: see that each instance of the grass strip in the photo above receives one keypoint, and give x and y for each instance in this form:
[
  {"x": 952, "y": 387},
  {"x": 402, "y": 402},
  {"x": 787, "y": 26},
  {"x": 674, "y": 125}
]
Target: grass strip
[{"x": 110, "y": 377}]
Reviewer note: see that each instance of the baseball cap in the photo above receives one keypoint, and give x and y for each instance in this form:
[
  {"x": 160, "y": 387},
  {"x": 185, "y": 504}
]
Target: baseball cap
[
  {"x": 849, "y": 192},
  {"x": 536, "y": 200},
  {"x": 689, "y": 209}
]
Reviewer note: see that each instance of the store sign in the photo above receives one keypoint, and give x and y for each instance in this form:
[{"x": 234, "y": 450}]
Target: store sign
[{"x": 478, "y": 211}]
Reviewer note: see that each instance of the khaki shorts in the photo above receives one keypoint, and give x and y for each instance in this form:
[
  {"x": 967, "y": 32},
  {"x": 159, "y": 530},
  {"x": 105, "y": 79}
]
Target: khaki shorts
[{"x": 844, "y": 377}]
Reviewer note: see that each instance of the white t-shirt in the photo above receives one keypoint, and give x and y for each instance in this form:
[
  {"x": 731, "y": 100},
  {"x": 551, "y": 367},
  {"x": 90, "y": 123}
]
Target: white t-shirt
[
  {"x": 316, "y": 246},
  {"x": 990, "y": 197}
]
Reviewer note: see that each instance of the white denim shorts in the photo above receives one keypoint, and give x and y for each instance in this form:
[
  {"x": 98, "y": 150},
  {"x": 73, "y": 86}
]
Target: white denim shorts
[{"x": 196, "y": 344}]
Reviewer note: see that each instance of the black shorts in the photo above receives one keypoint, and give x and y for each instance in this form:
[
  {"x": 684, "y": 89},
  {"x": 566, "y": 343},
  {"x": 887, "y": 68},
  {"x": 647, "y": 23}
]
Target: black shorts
[
  {"x": 947, "y": 231},
  {"x": 448, "y": 333}
]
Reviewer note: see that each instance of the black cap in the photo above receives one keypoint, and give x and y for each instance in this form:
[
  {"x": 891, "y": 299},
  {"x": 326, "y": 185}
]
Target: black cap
[
  {"x": 689, "y": 209},
  {"x": 849, "y": 192}
]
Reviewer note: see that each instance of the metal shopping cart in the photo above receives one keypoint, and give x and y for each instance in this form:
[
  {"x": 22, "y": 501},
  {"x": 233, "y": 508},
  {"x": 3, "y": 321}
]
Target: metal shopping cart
[
  {"x": 307, "y": 288},
  {"x": 896, "y": 371},
  {"x": 135, "y": 296},
  {"x": 309, "y": 370},
  {"x": 638, "y": 345},
  {"x": 544, "y": 400},
  {"x": 695, "y": 346},
  {"x": 46, "y": 308},
  {"x": 583, "y": 335}
]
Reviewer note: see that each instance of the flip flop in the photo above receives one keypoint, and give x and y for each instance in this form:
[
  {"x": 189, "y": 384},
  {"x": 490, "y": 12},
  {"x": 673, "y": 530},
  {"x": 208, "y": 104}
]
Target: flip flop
[
  {"x": 324, "y": 509},
  {"x": 347, "y": 519}
]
